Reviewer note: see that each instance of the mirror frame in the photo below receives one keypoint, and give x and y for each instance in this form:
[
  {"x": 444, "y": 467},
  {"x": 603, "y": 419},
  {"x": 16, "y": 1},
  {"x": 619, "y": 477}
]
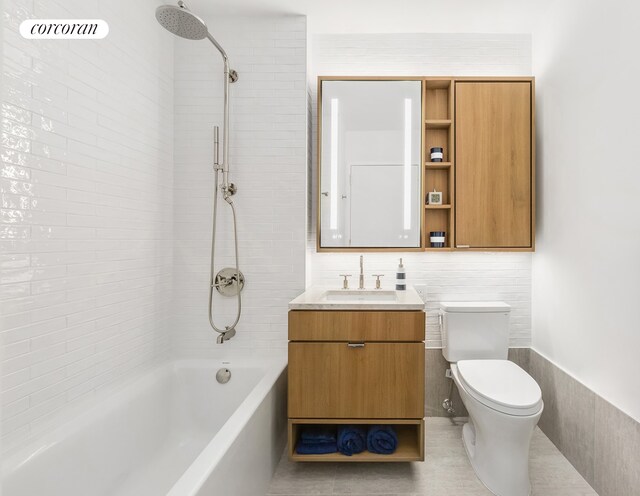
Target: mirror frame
[{"x": 319, "y": 162}]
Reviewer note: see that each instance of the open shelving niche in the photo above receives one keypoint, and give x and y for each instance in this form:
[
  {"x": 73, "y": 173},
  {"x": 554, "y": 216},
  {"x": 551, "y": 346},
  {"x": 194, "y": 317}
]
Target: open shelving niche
[
  {"x": 438, "y": 132},
  {"x": 410, "y": 441}
]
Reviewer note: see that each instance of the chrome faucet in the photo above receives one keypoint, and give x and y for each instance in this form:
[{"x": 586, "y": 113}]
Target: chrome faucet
[{"x": 361, "y": 285}]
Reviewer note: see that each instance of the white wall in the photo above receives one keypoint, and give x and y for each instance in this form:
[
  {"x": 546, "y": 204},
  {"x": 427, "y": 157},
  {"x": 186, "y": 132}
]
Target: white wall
[
  {"x": 382, "y": 16},
  {"x": 448, "y": 276},
  {"x": 268, "y": 163},
  {"x": 586, "y": 270},
  {"x": 86, "y": 208}
]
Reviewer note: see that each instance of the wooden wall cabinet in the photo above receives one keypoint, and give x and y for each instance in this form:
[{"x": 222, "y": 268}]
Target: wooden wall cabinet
[
  {"x": 358, "y": 367},
  {"x": 494, "y": 149},
  {"x": 486, "y": 127},
  {"x": 487, "y": 177}
]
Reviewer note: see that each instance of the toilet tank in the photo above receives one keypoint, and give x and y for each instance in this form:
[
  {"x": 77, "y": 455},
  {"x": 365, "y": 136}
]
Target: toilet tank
[{"x": 474, "y": 330}]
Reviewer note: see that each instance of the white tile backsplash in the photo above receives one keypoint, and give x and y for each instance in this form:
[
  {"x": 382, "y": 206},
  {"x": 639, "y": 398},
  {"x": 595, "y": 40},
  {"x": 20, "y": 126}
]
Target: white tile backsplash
[
  {"x": 87, "y": 199},
  {"x": 448, "y": 276},
  {"x": 268, "y": 153}
]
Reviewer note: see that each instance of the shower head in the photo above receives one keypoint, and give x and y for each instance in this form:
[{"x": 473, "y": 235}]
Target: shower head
[
  {"x": 184, "y": 23},
  {"x": 181, "y": 22}
]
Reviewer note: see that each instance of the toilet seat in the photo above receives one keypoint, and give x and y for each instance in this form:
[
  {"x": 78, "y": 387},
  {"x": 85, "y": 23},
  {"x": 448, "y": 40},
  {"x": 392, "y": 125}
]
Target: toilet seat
[{"x": 500, "y": 385}]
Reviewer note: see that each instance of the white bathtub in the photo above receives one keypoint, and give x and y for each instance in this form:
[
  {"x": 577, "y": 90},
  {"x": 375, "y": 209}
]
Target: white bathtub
[{"x": 176, "y": 431}]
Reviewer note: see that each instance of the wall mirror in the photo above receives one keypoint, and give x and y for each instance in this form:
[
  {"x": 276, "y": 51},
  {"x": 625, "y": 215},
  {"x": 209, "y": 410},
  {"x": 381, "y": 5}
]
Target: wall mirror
[{"x": 369, "y": 164}]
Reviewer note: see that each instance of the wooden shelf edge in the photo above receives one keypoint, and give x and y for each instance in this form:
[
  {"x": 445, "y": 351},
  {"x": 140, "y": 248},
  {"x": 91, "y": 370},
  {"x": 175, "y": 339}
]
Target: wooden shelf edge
[
  {"x": 438, "y": 83},
  {"x": 360, "y": 421},
  {"x": 438, "y": 123},
  {"x": 485, "y": 250},
  {"x": 518, "y": 249},
  {"x": 437, "y": 207},
  {"x": 358, "y": 458},
  {"x": 437, "y": 165}
]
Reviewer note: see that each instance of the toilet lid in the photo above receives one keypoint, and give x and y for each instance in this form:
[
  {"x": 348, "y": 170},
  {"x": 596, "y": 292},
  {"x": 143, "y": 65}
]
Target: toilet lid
[{"x": 501, "y": 385}]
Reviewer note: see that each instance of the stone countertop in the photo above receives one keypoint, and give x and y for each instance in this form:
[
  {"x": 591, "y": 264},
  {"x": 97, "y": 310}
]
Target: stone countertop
[{"x": 314, "y": 298}]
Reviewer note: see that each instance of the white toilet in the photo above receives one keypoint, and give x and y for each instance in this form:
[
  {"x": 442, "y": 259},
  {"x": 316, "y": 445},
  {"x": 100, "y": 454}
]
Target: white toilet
[{"x": 503, "y": 401}]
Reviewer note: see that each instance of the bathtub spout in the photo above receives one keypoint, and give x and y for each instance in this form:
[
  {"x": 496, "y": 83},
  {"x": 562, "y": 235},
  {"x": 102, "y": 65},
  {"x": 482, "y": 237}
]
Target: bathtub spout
[{"x": 225, "y": 336}]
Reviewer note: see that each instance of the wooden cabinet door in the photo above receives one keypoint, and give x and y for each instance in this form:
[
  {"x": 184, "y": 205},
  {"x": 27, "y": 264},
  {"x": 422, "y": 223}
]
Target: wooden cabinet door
[
  {"x": 493, "y": 170},
  {"x": 336, "y": 380}
]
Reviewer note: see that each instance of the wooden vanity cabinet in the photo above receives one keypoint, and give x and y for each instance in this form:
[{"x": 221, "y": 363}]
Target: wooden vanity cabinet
[
  {"x": 362, "y": 367},
  {"x": 494, "y": 179}
]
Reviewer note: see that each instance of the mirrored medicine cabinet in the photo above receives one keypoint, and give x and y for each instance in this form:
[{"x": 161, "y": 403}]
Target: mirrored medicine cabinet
[{"x": 369, "y": 164}]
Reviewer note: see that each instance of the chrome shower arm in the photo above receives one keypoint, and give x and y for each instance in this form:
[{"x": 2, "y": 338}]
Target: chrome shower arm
[{"x": 221, "y": 50}]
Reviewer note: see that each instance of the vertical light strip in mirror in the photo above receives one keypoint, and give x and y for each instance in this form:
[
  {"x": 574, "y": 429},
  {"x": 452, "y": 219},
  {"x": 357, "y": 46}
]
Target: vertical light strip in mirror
[
  {"x": 407, "y": 164},
  {"x": 333, "y": 212}
]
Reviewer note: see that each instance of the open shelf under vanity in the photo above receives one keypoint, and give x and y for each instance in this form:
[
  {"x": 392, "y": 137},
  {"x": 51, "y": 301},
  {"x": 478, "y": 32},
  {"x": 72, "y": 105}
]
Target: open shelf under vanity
[{"x": 410, "y": 441}]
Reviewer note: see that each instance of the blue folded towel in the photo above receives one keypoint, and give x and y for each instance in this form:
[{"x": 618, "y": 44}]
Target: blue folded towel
[
  {"x": 318, "y": 434},
  {"x": 382, "y": 439},
  {"x": 351, "y": 439},
  {"x": 316, "y": 448},
  {"x": 317, "y": 440}
]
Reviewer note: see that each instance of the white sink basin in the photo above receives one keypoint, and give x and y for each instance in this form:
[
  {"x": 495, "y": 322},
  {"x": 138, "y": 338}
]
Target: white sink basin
[
  {"x": 360, "y": 295},
  {"x": 330, "y": 298}
]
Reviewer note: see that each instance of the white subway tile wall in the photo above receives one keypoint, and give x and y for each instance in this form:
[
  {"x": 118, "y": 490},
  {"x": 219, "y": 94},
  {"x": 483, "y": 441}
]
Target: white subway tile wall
[
  {"x": 268, "y": 161},
  {"x": 448, "y": 276},
  {"x": 87, "y": 188}
]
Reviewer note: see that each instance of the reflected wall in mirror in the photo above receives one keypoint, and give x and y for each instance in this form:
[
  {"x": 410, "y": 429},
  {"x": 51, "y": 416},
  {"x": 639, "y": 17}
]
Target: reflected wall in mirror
[{"x": 370, "y": 164}]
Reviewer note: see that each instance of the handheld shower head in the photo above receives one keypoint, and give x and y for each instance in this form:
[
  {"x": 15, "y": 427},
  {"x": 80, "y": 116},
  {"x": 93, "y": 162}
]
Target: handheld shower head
[{"x": 181, "y": 22}]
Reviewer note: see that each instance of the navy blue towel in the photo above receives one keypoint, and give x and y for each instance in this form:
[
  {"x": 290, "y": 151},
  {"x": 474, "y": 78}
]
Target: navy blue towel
[
  {"x": 317, "y": 440},
  {"x": 351, "y": 439},
  {"x": 316, "y": 448},
  {"x": 318, "y": 434},
  {"x": 382, "y": 439}
]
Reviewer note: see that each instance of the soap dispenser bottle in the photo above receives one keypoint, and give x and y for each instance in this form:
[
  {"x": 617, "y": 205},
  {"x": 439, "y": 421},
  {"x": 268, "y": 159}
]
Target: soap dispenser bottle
[{"x": 401, "y": 282}]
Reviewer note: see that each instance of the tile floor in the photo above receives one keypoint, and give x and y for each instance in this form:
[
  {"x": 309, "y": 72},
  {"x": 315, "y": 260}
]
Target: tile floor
[{"x": 445, "y": 472}]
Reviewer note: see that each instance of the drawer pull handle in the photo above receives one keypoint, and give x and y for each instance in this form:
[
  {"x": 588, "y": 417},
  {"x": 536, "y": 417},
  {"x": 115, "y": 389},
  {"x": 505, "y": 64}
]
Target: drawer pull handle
[{"x": 355, "y": 345}]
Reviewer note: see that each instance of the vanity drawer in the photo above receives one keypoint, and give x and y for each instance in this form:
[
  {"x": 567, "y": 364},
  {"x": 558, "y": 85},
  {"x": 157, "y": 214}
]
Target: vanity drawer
[
  {"x": 307, "y": 325},
  {"x": 356, "y": 380}
]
